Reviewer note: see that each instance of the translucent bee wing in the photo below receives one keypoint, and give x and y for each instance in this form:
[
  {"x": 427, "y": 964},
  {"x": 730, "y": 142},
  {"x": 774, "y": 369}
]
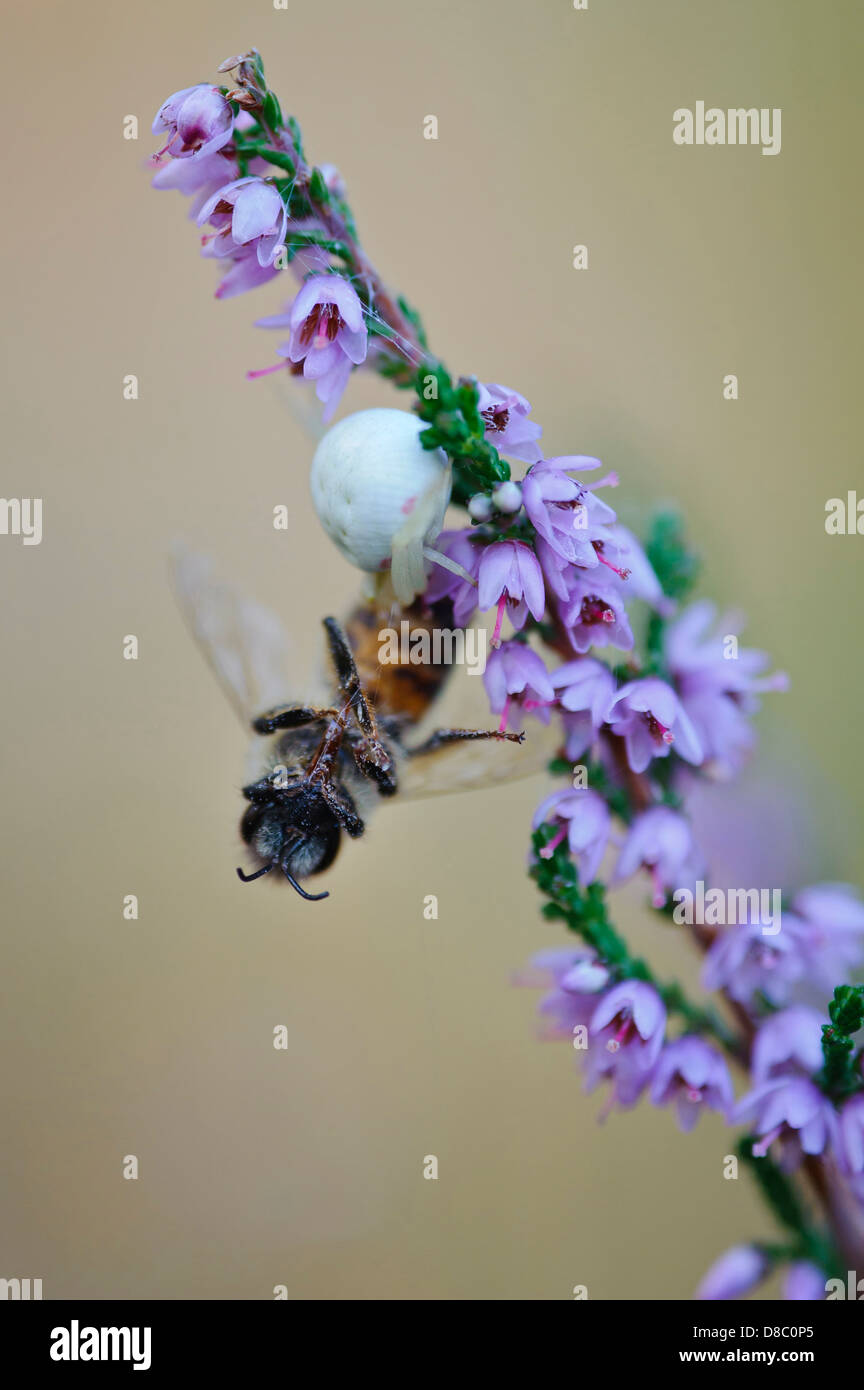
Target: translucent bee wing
[
  {"x": 472, "y": 765},
  {"x": 462, "y": 767},
  {"x": 244, "y": 643}
]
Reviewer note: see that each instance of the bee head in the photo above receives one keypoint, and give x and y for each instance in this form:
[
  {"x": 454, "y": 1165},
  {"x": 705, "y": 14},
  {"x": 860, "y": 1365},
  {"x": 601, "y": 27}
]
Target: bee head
[{"x": 293, "y": 830}]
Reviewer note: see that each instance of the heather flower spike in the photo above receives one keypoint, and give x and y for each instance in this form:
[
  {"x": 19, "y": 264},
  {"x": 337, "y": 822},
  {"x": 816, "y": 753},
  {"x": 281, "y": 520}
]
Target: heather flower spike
[{"x": 645, "y": 691}]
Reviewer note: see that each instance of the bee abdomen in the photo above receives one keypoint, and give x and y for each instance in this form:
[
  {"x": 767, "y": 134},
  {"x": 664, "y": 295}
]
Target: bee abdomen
[{"x": 405, "y": 688}]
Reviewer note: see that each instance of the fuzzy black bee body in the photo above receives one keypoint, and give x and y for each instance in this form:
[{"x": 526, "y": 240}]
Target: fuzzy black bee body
[{"x": 325, "y": 767}]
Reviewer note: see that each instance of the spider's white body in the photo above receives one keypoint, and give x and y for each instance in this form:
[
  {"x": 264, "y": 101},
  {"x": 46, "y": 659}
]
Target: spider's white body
[{"x": 380, "y": 496}]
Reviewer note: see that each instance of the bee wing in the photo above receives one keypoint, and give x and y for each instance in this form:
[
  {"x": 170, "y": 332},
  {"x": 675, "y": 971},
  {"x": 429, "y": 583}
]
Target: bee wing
[
  {"x": 244, "y": 643},
  {"x": 462, "y": 767},
  {"x": 470, "y": 766}
]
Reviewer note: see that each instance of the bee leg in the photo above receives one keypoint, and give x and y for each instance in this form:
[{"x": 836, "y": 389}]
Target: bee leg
[
  {"x": 343, "y": 810},
  {"x": 291, "y": 717},
  {"x": 259, "y": 792},
  {"x": 442, "y": 737},
  {"x": 374, "y": 761}
]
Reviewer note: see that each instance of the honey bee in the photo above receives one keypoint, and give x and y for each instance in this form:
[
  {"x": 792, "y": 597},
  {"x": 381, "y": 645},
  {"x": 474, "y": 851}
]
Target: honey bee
[{"x": 317, "y": 770}]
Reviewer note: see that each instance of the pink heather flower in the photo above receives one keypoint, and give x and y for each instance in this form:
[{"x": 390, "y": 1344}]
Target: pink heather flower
[
  {"x": 630, "y": 1020},
  {"x": 570, "y": 967},
  {"x": 660, "y": 840},
  {"x": 510, "y": 574},
  {"x": 718, "y": 689},
  {"x": 628, "y": 1080},
  {"x": 791, "y": 1108},
  {"x": 648, "y": 715},
  {"x": 585, "y": 690},
  {"x": 333, "y": 180},
  {"x": 444, "y": 583},
  {"x": 830, "y": 925},
  {"x": 789, "y": 1039},
  {"x": 694, "y": 1076},
  {"x": 245, "y": 272},
  {"x": 621, "y": 552},
  {"x": 804, "y": 1283},
  {"x": 515, "y": 674},
  {"x": 735, "y": 1273},
  {"x": 328, "y": 335},
  {"x": 307, "y": 259},
  {"x": 248, "y": 215},
  {"x": 555, "y": 568},
  {"x": 198, "y": 121},
  {"x": 594, "y": 615},
  {"x": 725, "y": 733},
  {"x": 583, "y": 817},
  {"x": 836, "y": 907},
  {"x": 203, "y": 176},
  {"x": 851, "y": 1143},
  {"x": 578, "y": 979},
  {"x": 704, "y": 661},
  {"x": 564, "y": 513},
  {"x": 744, "y": 961},
  {"x": 507, "y": 427}
]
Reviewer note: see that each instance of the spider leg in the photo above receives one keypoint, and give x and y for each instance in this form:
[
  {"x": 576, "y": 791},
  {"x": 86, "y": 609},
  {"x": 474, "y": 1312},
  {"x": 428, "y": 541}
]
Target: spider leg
[
  {"x": 349, "y": 677},
  {"x": 370, "y": 753}
]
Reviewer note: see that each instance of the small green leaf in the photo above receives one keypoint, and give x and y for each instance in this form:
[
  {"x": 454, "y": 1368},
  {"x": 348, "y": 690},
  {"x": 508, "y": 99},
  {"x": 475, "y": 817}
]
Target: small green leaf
[
  {"x": 318, "y": 191},
  {"x": 271, "y": 111},
  {"x": 277, "y": 157},
  {"x": 675, "y": 565}
]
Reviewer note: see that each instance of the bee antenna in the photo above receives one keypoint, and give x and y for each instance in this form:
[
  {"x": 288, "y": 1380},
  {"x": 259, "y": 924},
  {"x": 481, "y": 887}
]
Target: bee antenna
[
  {"x": 250, "y": 878},
  {"x": 310, "y": 897}
]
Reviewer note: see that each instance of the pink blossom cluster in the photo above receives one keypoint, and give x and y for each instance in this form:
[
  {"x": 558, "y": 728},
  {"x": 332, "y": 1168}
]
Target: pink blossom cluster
[
  {"x": 251, "y": 236},
  {"x": 548, "y": 557}
]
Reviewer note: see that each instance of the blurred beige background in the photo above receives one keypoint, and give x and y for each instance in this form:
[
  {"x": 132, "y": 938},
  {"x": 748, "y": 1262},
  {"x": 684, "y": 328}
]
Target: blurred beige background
[{"x": 154, "y": 1038}]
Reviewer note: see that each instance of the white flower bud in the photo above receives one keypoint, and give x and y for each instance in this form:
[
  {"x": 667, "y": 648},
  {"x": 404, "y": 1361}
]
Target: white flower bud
[
  {"x": 480, "y": 507},
  {"x": 380, "y": 496},
  {"x": 587, "y": 977},
  {"x": 507, "y": 497}
]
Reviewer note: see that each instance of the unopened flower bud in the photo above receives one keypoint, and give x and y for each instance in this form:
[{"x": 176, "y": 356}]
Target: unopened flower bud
[
  {"x": 480, "y": 507},
  {"x": 507, "y": 497}
]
